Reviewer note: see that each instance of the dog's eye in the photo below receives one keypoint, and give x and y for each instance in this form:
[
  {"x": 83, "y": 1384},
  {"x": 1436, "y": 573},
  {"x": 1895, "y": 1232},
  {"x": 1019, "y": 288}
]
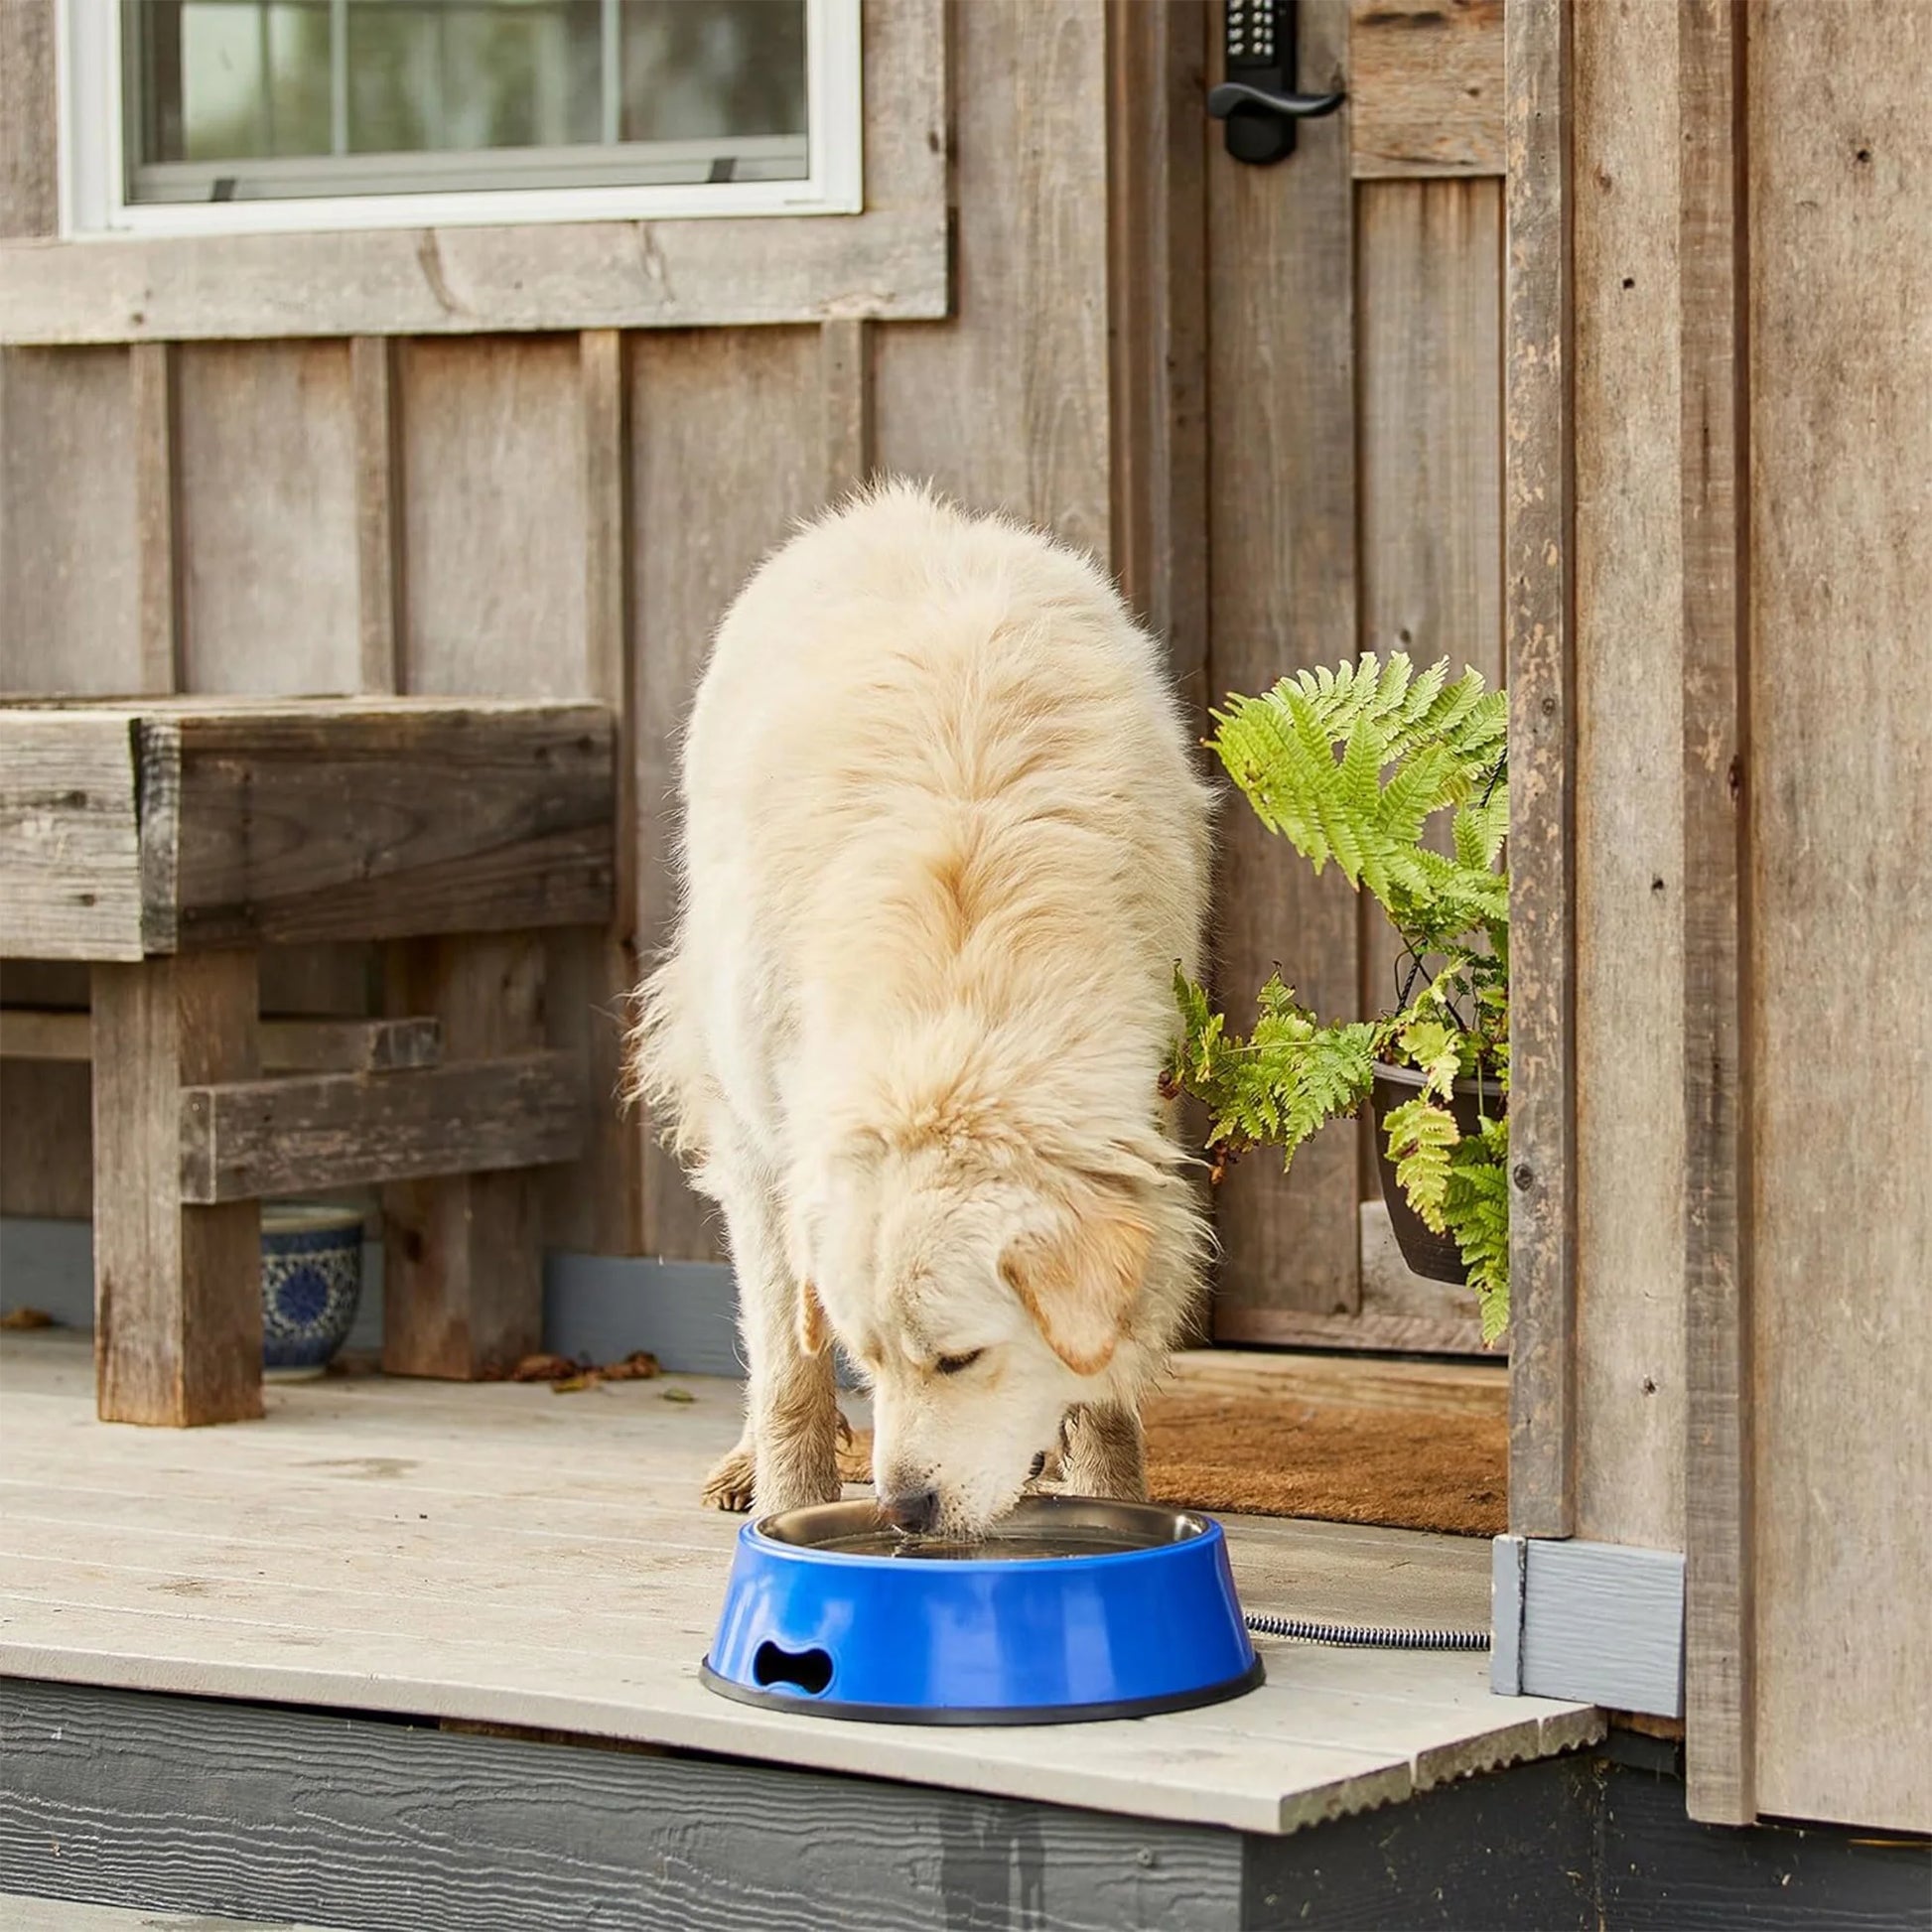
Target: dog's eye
[{"x": 952, "y": 1364}]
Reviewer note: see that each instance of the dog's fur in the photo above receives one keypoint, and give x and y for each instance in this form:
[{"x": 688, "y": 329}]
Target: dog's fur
[{"x": 943, "y": 847}]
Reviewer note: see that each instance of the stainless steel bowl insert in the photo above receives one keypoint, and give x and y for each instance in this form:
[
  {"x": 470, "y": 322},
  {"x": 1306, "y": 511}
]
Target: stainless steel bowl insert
[{"x": 1038, "y": 1529}]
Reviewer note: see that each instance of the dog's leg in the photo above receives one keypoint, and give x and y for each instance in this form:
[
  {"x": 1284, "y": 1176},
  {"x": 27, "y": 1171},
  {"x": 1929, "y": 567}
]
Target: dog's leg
[
  {"x": 1102, "y": 1453},
  {"x": 795, "y": 1414},
  {"x": 787, "y": 1455}
]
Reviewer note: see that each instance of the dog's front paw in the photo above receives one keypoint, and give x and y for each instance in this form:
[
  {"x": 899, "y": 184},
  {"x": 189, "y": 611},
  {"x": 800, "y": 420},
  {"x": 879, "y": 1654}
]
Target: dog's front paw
[{"x": 729, "y": 1486}]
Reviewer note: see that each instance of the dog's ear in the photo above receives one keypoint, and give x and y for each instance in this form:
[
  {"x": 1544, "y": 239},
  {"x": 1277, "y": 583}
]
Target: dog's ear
[
  {"x": 1079, "y": 1280},
  {"x": 811, "y": 1320}
]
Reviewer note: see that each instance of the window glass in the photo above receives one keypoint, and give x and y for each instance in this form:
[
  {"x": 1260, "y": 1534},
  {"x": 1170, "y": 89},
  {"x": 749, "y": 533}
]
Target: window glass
[
  {"x": 239, "y": 99},
  {"x": 692, "y": 72}
]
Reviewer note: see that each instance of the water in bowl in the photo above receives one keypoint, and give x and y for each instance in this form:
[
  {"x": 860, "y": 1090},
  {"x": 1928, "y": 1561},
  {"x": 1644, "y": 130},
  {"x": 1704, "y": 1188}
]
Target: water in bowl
[{"x": 1010, "y": 1548}]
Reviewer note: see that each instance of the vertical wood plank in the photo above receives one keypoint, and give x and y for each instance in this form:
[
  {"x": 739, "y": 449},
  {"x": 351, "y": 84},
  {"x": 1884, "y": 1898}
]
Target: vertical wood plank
[
  {"x": 1157, "y": 332},
  {"x": 1719, "y": 1665},
  {"x": 845, "y": 379},
  {"x": 611, "y": 669},
  {"x": 1006, "y": 406},
  {"x": 494, "y": 516},
  {"x": 907, "y": 67},
  {"x": 69, "y": 574},
  {"x": 177, "y": 1318},
  {"x": 30, "y": 202},
  {"x": 374, "y": 399},
  {"x": 1429, "y": 302},
  {"x": 1158, "y": 327},
  {"x": 596, "y": 1203},
  {"x": 266, "y": 528},
  {"x": 1282, "y": 587},
  {"x": 1430, "y": 284},
  {"x": 727, "y": 453},
  {"x": 152, "y": 372},
  {"x": 330, "y": 976},
  {"x": 1839, "y": 929},
  {"x": 462, "y": 1255},
  {"x": 1627, "y": 750},
  {"x": 1537, "y": 517}
]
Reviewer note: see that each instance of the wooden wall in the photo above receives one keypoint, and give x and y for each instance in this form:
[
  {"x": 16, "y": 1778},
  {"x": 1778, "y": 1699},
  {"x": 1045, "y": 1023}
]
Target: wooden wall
[
  {"x": 551, "y": 515},
  {"x": 1720, "y": 392},
  {"x": 1268, "y": 396}
]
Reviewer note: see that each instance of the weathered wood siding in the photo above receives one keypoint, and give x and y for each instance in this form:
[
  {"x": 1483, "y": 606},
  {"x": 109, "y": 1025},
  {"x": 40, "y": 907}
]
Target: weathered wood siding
[
  {"x": 1627, "y": 651},
  {"x": 1748, "y": 358},
  {"x": 1837, "y": 977},
  {"x": 265, "y": 518}
]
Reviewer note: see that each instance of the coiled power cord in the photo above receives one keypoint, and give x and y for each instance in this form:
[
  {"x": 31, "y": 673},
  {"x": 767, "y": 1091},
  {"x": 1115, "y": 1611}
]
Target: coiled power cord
[{"x": 1364, "y": 1636}]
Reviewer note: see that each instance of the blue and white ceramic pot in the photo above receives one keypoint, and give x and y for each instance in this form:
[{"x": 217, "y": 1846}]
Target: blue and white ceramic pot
[{"x": 312, "y": 1280}]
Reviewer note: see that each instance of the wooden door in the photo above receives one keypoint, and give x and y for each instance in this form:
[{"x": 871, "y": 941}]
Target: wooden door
[{"x": 1353, "y": 307}]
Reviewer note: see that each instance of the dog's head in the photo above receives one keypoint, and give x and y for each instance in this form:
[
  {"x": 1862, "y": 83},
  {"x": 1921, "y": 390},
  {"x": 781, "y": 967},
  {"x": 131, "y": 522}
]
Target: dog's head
[{"x": 981, "y": 1292}]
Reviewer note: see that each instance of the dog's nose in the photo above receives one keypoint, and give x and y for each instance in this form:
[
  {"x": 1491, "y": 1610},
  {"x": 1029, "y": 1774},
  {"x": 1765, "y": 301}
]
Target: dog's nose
[{"x": 911, "y": 1510}]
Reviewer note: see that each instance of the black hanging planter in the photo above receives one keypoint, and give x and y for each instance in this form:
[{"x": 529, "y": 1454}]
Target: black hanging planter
[{"x": 1432, "y": 1256}]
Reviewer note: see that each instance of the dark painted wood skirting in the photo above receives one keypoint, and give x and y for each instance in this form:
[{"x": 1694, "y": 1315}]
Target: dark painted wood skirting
[{"x": 273, "y": 1813}]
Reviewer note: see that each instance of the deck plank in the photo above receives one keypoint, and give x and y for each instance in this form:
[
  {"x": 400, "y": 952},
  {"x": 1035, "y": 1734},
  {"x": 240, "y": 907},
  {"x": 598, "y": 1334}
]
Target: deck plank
[
  {"x": 18, "y": 1913},
  {"x": 499, "y": 1554}
]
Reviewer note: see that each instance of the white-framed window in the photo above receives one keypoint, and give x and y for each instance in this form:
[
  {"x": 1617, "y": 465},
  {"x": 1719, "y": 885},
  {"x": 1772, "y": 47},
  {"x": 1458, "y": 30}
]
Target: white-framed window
[{"x": 193, "y": 117}]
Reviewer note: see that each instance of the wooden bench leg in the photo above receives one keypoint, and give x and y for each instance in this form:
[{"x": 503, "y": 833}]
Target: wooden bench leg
[
  {"x": 177, "y": 1311},
  {"x": 463, "y": 1256}
]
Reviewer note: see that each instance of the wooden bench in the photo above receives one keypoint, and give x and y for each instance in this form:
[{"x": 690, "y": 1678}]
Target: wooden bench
[{"x": 165, "y": 840}]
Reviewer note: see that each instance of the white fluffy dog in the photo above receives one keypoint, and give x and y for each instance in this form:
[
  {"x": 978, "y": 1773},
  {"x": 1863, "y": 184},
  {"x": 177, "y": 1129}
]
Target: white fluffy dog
[{"x": 943, "y": 846}]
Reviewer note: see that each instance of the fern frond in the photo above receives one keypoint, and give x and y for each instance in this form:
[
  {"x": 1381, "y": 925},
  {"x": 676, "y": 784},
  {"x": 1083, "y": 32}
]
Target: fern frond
[
  {"x": 1421, "y": 695},
  {"x": 1282, "y": 1083},
  {"x": 1440, "y": 900},
  {"x": 1422, "y": 1135},
  {"x": 1476, "y": 1212},
  {"x": 1256, "y": 739},
  {"x": 1436, "y": 1051},
  {"x": 1311, "y": 757},
  {"x": 1351, "y": 821},
  {"x": 1480, "y": 830}
]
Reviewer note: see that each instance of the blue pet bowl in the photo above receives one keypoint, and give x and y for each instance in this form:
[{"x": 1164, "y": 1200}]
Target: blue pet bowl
[
  {"x": 312, "y": 1280},
  {"x": 1072, "y": 1609}
]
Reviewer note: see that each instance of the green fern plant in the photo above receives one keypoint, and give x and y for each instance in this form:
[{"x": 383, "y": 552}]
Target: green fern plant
[{"x": 1352, "y": 766}]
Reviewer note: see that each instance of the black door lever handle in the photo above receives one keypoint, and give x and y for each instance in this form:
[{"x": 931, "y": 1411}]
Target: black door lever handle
[
  {"x": 1236, "y": 97},
  {"x": 1258, "y": 101}
]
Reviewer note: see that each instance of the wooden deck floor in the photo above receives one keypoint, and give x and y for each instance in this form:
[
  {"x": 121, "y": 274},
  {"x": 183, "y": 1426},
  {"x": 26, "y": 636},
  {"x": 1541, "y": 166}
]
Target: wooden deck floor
[{"x": 508, "y": 1555}]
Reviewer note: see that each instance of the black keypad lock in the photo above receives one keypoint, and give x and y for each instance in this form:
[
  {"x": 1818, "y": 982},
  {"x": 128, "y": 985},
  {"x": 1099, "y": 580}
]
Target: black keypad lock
[{"x": 1258, "y": 101}]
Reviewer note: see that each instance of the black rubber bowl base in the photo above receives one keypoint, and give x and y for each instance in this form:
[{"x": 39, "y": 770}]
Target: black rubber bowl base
[{"x": 953, "y": 1714}]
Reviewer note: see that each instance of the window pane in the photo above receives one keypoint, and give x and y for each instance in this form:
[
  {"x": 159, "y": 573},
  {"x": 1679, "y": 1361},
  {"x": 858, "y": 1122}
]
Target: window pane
[
  {"x": 727, "y": 67},
  {"x": 456, "y": 74},
  {"x": 252, "y": 99},
  {"x": 232, "y": 79}
]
